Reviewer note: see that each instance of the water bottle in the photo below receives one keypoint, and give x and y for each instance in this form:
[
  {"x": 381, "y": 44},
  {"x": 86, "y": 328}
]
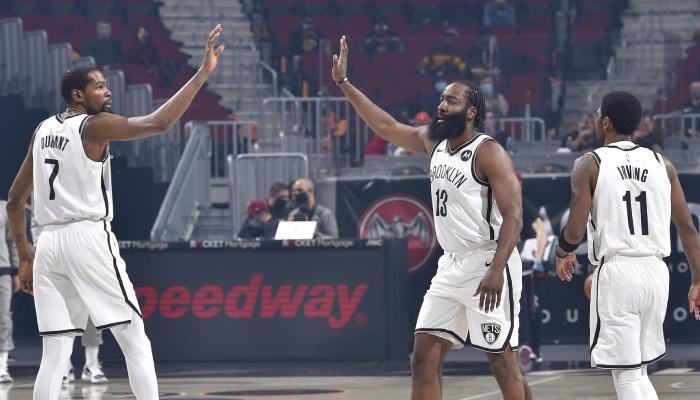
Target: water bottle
[
  {"x": 569, "y": 143},
  {"x": 510, "y": 146}
]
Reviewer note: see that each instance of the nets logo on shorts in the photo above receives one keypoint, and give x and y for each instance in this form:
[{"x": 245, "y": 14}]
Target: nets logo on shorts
[
  {"x": 402, "y": 216},
  {"x": 491, "y": 332}
]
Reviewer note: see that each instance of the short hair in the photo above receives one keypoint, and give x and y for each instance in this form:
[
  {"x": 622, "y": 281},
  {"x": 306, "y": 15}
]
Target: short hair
[
  {"x": 277, "y": 187},
  {"x": 623, "y": 110},
  {"x": 75, "y": 78},
  {"x": 475, "y": 97}
]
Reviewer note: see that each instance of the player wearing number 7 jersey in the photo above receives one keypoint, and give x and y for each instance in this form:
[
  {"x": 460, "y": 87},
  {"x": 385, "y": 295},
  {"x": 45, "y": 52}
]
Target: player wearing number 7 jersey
[
  {"x": 478, "y": 216},
  {"x": 626, "y": 195},
  {"x": 77, "y": 271}
]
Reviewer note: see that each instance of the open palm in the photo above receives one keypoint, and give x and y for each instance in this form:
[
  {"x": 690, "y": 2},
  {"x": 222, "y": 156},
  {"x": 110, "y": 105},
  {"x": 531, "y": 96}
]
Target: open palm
[
  {"x": 210, "y": 56},
  {"x": 340, "y": 63}
]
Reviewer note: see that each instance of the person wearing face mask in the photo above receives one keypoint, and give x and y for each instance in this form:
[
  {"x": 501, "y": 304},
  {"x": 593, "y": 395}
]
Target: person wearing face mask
[
  {"x": 499, "y": 13},
  {"x": 279, "y": 200},
  {"x": 104, "y": 49},
  {"x": 495, "y": 102},
  {"x": 143, "y": 51},
  {"x": 692, "y": 106},
  {"x": 308, "y": 210},
  {"x": 263, "y": 225}
]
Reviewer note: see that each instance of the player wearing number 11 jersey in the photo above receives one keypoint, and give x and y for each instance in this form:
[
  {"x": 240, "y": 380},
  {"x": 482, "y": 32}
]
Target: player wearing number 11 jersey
[{"x": 626, "y": 195}]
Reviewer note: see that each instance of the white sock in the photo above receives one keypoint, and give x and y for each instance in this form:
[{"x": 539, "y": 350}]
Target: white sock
[
  {"x": 139, "y": 358},
  {"x": 91, "y": 353},
  {"x": 54, "y": 359},
  {"x": 628, "y": 384},
  {"x": 3, "y": 361},
  {"x": 648, "y": 390}
]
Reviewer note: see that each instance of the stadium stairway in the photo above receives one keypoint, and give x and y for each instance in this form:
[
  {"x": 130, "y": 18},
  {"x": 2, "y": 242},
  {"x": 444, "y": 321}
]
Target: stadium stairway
[{"x": 233, "y": 80}]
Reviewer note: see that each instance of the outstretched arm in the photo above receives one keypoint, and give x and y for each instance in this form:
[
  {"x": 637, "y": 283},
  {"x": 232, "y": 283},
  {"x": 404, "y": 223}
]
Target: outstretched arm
[
  {"x": 383, "y": 124},
  {"x": 689, "y": 236},
  {"x": 104, "y": 127},
  {"x": 581, "y": 200}
]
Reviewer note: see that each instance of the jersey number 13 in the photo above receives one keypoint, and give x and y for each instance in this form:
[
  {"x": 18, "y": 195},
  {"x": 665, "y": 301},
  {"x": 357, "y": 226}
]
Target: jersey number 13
[{"x": 441, "y": 203}]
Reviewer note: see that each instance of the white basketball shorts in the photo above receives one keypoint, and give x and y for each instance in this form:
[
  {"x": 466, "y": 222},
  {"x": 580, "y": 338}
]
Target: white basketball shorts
[
  {"x": 629, "y": 296},
  {"x": 450, "y": 310},
  {"x": 78, "y": 272}
]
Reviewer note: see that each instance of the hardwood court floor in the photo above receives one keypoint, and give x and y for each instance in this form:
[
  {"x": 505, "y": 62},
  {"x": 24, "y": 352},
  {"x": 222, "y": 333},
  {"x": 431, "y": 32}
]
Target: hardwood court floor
[
  {"x": 565, "y": 374},
  {"x": 670, "y": 383}
]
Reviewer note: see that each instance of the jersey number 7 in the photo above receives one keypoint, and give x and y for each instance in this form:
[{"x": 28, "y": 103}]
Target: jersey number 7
[{"x": 52, "y": 177}]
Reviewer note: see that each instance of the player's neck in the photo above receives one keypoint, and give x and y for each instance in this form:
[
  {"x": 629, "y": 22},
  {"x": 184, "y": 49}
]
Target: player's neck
[
  {"x": 611, "y": 139},
  {"x": 75, "y": 109},
  {"x": 466, "y": 136}
]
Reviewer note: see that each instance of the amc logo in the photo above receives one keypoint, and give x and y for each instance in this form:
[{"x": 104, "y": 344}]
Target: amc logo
[{"x": 256, "y": 300}]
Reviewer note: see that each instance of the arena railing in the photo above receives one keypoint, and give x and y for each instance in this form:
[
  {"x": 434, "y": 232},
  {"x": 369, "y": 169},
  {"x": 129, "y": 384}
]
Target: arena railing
[
  {"x": 250, "y": 177},
  {"x": 11, "y": 55},
  {"x": 189, "y": 190},
  {"x": 678, "y": 123},
  {"x": 34, "y": 72}
]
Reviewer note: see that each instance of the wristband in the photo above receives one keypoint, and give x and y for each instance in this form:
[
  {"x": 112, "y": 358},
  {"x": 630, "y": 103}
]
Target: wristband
[
  {"x": 340, "y": 82},
  {"x": 566, "y": 246}
]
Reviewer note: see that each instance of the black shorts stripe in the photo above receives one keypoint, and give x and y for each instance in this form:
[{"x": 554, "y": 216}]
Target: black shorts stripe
[
  {"x": 449, "y": 332},
  {"x": 101, "y": 327},
  {"x": 630, "y": 366},
  {"x": 654, "y": 360},
  {"x": 597, "y": 324},
  {"x": 116, "y": 271},
  {"x": 511, "y": 303},
  {"x": 48, "y": 333}
]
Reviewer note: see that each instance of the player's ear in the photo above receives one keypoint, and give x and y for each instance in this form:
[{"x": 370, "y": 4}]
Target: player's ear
[{"x": 77, "y": 95}]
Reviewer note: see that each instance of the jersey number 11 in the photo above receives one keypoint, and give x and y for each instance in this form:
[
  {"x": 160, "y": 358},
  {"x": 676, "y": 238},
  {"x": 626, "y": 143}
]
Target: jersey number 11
[{"x": 642, "y": 200}]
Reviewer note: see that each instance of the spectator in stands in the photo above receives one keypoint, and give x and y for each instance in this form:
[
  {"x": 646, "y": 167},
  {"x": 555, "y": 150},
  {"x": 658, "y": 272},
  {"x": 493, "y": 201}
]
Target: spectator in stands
[
  {"x": 104, "y": 49},
  {"x": 263, "y": 224},
  {"x": 279, "y": 200},
  {"x": 499, "y": 13},
  {"x": 308, "y": 210},
  {"x": 648, "y": 134},
  {"x": 692, "y": 106},
  {"x": 495, "y": 101},
  {"x": 143, "y": 51},
  {"x": 583, "y": 138},
  {"x": 304, "y": 39},
  {"x": 491, "y": 129},
  {"x": 381, "y": 39},
  {"x": 444, "y": 60},
  {"x": 431, "y": 101}
]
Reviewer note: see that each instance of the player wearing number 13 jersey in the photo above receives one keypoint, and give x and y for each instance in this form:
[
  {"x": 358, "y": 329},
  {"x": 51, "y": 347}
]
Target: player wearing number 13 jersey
[
  {"x": 477, "y": 207},
  {"x": 77, "y": 271},
  {"x": 625, "y": 195}
]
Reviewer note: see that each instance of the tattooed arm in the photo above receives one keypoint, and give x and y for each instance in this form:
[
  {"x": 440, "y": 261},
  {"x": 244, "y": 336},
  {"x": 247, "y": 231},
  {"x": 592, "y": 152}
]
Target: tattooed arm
[{"x": 583, "y": 180}]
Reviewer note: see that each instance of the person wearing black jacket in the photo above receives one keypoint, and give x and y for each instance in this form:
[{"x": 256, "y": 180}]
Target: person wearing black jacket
[{"x": 260, "y": 224}]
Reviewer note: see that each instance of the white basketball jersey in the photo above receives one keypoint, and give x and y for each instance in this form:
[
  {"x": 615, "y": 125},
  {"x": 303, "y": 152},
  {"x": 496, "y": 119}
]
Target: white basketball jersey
[
  {"x": 631, "y": 212},
  {"x": 464, "y": 209},
  {"x": 68, "y": 186}
]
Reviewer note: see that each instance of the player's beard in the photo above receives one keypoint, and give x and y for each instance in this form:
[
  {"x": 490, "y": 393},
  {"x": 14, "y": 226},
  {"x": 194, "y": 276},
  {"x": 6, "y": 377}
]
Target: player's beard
[
  {"x": 599, "y": 132},
  {"x": 452, "y": 126}
]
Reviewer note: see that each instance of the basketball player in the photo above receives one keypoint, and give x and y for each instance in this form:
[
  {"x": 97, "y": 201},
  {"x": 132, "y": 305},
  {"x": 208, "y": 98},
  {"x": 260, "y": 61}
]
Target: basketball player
[
  {"x": 631, "y": 193},
  {"x": 77, "y": 271},
  {"x": 478, "y": 207}
]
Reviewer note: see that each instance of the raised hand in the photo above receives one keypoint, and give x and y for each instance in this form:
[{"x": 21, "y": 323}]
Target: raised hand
[
  {"x": 340, "y": 63},
  {"x": 210, "y": 55}
]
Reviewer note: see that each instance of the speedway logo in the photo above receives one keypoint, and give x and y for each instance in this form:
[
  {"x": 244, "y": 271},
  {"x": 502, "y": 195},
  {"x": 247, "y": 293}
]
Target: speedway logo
[
  {"x": 402, "y": 216},
  {"x": 336, "y": 303}
]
